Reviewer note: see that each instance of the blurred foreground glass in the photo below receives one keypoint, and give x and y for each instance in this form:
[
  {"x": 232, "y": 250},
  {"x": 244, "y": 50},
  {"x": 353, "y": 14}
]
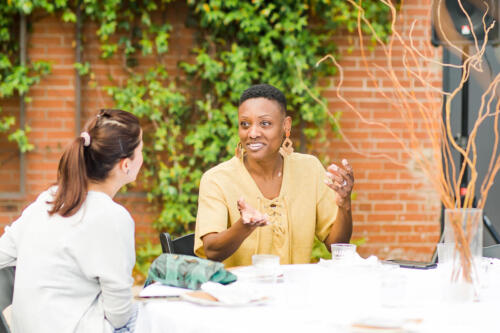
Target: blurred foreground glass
[
  {"x": 343, "y": 252},
  {"x": 464, "y": 229},
  {"x": 266, "y": 267},
  {"x": 445, "y": 253},
  {"x": 392, "y": 288},
  {"x": 298, "y": 287}
]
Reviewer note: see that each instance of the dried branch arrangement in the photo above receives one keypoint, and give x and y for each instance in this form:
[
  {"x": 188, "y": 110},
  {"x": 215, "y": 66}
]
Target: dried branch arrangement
[{"x": 420, "y": 105}]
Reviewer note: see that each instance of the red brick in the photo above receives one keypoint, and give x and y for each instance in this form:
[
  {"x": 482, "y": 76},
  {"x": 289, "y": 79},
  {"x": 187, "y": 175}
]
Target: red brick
[
  {"x": 382, "y": 196},
  {"x": 396, "y": 228},
  {"x": 382, "y": 217},
  {"x": 53, "y": 40},
  {"x": 426, "y": 227},
  {"x": 369, "y": 227},
  {"x": 391, "y": 210},
  {"x": 397, "y": 186},
  {"x": 54, "y": 123},
  {"x": 396, "y": 207},
  {"x": 40, "y": 51},
  {"x": 47, "y": 103},
  {"x": 61, "y": 93},
  {"x": 70, "y": 114},
  {"x": 53, "y": 81},
  {"x": 384, "y": 239},
  {"x": 61, "y": 135},
  {"x": 411, "y": 238}
]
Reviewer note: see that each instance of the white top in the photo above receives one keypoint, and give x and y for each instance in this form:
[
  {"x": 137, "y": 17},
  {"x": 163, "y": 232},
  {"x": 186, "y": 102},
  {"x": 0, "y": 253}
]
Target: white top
[{"x": 73, "y": 274}]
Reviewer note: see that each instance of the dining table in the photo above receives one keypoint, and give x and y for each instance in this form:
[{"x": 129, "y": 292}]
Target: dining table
[{"x": 369, "y": 296}]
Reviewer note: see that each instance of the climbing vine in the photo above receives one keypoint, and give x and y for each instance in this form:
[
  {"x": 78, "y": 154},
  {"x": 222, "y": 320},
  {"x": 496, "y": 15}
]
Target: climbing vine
[
  {"x": 16, "y": 78},
  {"x": 239, "y": 43},
  {"x": 190, "y": 121}
]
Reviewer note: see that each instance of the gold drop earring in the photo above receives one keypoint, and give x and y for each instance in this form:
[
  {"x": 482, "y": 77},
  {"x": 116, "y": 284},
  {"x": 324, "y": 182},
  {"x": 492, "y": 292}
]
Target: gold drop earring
[{"x": 238, "y": 151}]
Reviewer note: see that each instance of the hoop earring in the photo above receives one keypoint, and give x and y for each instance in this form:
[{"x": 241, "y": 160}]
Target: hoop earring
[
  {"x": 287, "y": 145},
  {"x": 238, "y": 151}
]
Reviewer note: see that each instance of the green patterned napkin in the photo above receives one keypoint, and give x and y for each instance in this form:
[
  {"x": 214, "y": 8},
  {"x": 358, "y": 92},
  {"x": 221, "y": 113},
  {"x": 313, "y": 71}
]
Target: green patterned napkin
[{"x": 185, "y": 271}]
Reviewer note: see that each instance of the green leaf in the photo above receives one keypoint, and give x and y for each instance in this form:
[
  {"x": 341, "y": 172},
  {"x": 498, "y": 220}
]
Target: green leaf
[
  {"x": 69, "y": 16},
  {"x": 190, "y": 119},
  {"x": 82, "y": 68}
]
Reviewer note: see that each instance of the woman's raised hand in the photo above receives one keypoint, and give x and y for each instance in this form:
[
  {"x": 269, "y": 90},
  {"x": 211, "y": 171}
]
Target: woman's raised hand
[
  {"x": 341, "y": 180},
  {"x": 250, "y": 216}
]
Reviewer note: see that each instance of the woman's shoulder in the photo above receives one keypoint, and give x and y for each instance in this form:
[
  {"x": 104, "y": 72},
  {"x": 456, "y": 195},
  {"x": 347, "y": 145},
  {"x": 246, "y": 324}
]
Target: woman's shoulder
[
  {"x": 305, "y": 166},
  {"x": 227, "y": 168},
  {"x": 304, "y": 160},
  {"x": 105, "y": 206},
  {"x": 47, "y": 195}
]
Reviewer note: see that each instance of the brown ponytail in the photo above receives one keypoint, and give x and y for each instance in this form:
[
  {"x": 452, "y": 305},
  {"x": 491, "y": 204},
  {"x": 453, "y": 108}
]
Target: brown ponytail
[{"x": 114, "y": 135}]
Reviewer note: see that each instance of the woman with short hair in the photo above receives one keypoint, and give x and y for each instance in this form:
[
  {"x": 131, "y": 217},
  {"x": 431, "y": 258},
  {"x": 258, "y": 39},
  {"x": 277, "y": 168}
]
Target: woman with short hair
[
  {"x": 268, "y": 199},
  {"x": 74, "y": 246}
]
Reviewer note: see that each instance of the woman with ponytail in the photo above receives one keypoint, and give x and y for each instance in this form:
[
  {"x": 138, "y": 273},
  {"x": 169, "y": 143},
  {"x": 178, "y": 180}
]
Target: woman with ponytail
[{"x": 73, "y": 247}]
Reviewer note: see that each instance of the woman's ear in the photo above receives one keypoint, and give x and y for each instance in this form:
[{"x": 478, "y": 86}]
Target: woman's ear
[
  {"x": 287, "y": 123},
  {"x": 124, "y": 165}
]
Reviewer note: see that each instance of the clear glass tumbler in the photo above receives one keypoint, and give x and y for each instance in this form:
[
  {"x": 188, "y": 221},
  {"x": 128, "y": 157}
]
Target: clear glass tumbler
[{"x": 343, "y": 252}]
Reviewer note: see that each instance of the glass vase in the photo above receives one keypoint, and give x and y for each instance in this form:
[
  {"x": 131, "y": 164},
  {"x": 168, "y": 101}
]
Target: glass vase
[{"x": 464, "y": 229}]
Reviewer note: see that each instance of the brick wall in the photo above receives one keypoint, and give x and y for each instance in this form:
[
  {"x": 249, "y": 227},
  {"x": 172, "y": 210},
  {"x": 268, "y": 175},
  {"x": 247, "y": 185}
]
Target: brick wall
[{"x": 395, "y": 211}]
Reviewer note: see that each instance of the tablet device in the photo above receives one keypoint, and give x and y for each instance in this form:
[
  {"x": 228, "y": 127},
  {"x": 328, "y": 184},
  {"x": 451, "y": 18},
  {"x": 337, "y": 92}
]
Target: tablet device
[{"x": 413, "y": 264}]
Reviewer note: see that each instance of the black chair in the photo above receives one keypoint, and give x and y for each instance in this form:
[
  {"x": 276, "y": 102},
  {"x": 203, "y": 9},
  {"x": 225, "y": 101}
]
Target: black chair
[
  {"x": 181, "y": 245},
  {"x": 492, "y": 251},
  {"x": 6, "y": 292}
]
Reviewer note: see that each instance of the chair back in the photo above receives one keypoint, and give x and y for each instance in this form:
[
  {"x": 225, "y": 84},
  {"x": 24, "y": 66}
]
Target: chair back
[
  {"x": 181, "y": 245},
  {"x": 166, "y": 243},
  {"x": 492, "y": 251},
  {"x": 184, "y": 245},
  {"x": 6, "y": 293}
]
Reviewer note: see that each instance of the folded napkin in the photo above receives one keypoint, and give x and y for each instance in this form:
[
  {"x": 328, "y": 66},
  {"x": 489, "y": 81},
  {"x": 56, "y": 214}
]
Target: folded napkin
[{"x": 187, "y": 271}]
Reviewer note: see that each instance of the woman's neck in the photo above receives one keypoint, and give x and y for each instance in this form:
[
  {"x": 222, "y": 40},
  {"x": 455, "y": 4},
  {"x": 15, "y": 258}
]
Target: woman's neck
[
  {"x": 266, "y": 169},
  {"x": 108, "y": 187}
]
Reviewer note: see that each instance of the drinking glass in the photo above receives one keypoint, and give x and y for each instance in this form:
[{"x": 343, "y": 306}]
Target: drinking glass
[
  {"x": 343, "y": 252},
  {"x": 298, "y": 287},
  {"x": 266, "y": 267},
  {"x": 392, "y": 288},
  {"x": 445, "y": 253}
]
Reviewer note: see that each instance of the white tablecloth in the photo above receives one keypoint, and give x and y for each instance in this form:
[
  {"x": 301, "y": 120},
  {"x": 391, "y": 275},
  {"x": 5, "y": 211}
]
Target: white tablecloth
[{"x": 316, "y": 298}]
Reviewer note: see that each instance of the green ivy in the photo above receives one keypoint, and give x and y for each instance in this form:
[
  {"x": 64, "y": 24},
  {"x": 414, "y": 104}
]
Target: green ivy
[
  {"x": 171, "y": 173},
  {"x": 145, "y": 255},
  {"x": 190, "y": 122},
  {"x": 16, "y": 79},
  {"x": 240, "y": 43}
]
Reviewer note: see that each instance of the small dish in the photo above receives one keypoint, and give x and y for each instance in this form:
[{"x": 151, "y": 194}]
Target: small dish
[
  {"x": 204, "y": 298},
  {"x": 247, "y": 273}
]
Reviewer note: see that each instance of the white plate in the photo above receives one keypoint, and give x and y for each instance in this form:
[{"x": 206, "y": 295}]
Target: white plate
[
  {"x": 196, "y": 297},
  {"x": 247, "y": 273}
]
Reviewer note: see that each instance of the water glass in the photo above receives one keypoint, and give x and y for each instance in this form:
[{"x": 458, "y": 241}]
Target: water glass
[
  {"x": 392, "y": 289},
  {"x": 445, "y": 253},
  {"x": 343, "y": 252},
  {"x": 298, "y": 287},
  {"x": 266, "y": 267}
]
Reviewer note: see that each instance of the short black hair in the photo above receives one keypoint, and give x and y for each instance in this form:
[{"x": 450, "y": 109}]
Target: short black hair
[{"x": 266, "y": 91}]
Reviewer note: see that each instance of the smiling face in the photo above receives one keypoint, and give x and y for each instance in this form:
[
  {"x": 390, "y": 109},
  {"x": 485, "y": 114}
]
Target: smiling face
[{"x": 262, "y": 127}]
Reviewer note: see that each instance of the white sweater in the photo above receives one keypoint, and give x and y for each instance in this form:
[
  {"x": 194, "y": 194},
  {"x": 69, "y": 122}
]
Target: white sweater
[{"x": 73, "y": 274}]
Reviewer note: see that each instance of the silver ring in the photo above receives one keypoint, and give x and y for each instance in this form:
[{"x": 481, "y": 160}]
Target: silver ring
[{"x": 344, "y": 183}]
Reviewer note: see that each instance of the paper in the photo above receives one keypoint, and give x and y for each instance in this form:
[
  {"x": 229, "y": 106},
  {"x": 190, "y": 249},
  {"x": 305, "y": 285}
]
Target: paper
[{"x": 160, "y": 290}]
